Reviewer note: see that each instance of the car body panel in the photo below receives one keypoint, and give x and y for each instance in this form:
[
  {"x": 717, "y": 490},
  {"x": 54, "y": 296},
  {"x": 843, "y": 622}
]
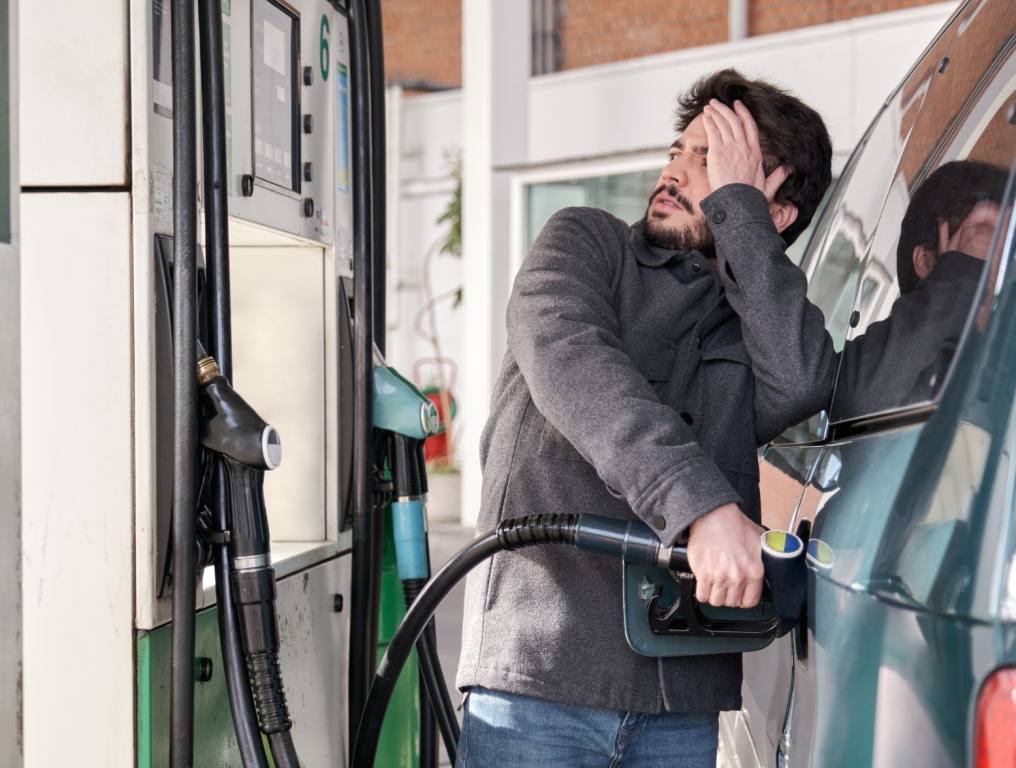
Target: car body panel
[{"x": 914, "y": 603}]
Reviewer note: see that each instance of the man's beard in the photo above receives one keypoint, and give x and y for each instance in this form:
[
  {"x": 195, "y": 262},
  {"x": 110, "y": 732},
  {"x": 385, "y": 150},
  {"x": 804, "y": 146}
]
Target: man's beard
[{"x": 695, "y": 236}]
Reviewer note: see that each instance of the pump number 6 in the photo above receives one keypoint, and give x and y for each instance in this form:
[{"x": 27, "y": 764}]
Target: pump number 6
[{"x": 325, "y": 53}]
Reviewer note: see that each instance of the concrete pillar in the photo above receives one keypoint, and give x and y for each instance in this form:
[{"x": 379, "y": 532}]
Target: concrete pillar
[
  {"x": 737, "y": 20},
  {"x": 496, "y": 41}
]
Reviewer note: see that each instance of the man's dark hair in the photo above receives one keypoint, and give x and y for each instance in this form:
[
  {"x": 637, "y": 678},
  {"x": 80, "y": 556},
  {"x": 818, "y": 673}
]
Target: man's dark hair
[
  {"x": 790, "y": 133},
  {"x": 948, "y": 194}
]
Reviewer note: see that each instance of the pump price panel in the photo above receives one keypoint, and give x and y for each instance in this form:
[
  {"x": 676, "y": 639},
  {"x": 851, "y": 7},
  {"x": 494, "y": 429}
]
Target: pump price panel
[{"x": 275, "y": 46}]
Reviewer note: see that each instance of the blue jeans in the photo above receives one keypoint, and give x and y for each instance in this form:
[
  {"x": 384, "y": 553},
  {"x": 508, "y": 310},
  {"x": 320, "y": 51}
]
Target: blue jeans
[{"x": 503, "y": 730}]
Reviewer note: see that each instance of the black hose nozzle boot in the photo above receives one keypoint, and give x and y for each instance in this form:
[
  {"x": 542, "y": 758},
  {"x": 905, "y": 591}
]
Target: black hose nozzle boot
[
  {"x": 248, "y": 447},
  {"x": 231, "y": 427}
]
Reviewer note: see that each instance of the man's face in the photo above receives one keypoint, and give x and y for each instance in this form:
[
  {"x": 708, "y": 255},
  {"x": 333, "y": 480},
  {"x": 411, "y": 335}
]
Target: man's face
[{"x": 674, "y": 219}]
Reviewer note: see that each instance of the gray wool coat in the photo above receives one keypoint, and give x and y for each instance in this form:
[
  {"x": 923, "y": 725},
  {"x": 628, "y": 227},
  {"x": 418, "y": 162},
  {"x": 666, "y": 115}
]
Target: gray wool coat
[{"x": 631, "y": 388}]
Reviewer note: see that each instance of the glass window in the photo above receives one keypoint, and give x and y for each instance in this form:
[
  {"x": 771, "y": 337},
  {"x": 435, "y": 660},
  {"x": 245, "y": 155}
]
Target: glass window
[
  {"x": 623, "y": 194},
  {"x": 956, "y": 105},
  {"x": 843, "y": 232},
  {"x": 920, "y": 275}
]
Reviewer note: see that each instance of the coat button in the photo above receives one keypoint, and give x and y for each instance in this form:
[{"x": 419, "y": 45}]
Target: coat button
[
  {"x": 719, "y": 217},
  {"x": 658, "y": 522},
  {"x": 696, "y": 267}
]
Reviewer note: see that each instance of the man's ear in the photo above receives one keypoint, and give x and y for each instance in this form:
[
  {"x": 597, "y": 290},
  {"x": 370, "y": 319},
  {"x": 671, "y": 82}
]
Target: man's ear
[
  {"x": 784, "y": 214},
  {"x": 924, "y": 259}
]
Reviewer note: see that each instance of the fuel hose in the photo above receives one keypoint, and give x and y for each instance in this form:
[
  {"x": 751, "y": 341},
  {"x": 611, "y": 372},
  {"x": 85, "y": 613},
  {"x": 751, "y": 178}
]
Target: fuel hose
[{"x": 632, "y": 541}]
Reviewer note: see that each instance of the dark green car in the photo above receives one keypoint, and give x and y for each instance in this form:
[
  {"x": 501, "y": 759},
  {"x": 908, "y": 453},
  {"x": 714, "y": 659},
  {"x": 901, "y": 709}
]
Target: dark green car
[{"x": 905, "y": 485}]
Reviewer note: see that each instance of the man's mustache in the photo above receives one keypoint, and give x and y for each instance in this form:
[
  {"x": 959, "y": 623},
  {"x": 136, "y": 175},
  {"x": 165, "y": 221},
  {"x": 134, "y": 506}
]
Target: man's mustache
[{"x": 672, "y": 191}]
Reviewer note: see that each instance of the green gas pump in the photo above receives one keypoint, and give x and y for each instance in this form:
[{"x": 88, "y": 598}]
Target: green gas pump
[{"x": 403, "y": 418}]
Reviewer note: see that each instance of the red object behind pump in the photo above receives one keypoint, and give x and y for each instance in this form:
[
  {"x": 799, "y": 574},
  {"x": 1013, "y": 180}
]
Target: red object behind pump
[{"x": 435, "y": 449}]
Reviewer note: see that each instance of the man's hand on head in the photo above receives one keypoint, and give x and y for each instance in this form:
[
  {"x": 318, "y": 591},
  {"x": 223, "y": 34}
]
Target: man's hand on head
[
  {"x": 973, "y": 235},
  {"x": 735, "y": 154},
  {"x": 725, "y": 554}
]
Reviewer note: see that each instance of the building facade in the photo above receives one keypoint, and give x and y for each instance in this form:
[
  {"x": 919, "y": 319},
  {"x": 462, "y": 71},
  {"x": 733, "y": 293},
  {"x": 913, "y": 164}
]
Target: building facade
[{"x": 423, "y": 45}]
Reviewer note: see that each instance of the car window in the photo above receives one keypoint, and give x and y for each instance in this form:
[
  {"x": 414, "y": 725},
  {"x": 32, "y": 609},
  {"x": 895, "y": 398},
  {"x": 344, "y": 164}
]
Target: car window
[
  {"x": 923, "y": 259},
  {"x": 843, "y": 235}
]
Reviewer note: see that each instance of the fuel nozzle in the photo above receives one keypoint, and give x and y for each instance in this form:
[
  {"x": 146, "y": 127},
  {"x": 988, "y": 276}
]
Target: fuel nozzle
[
  {"x": 248, "y": 446},
  {"x": 232, "y": 428}
]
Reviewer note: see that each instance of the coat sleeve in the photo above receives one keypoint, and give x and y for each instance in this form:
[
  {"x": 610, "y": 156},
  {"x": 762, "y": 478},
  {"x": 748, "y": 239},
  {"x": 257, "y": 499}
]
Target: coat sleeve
[
  {"x": 792, "y": 355},
  {"x": 564, "y": 334}
]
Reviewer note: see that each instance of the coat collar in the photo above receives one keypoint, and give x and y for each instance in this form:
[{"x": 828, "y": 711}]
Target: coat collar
[{"x": 649, "y": 255}]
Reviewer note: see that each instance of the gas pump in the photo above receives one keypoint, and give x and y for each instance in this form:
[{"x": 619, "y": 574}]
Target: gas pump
[
  {"x": 262, "y": 238},
  {"x": 290, "y": 171}
]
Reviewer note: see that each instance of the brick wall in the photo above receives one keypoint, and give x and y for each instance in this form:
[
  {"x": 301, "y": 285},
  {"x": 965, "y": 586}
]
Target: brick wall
[
  {"x": 601, "y": 31},
  {"x": 423, "y": 37},
  {"x": 423, "y": 41},
  {"x": 766, "y": 16}
]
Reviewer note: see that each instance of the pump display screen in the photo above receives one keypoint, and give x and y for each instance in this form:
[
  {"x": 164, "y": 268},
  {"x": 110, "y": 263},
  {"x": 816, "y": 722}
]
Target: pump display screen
[{"x": 275, "y": 45}]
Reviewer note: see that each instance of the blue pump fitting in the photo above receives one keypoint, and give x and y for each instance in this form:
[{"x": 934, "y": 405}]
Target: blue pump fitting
[{"x": 409, "y": 529}]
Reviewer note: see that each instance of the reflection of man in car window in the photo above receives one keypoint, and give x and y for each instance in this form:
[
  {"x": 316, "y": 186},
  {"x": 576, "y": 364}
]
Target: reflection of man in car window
[{"x": 944, "y": 240}]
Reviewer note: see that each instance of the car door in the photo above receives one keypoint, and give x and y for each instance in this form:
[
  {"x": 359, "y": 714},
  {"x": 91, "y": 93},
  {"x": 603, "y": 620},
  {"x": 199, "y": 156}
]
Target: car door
[{"x": 887, "y": 497}]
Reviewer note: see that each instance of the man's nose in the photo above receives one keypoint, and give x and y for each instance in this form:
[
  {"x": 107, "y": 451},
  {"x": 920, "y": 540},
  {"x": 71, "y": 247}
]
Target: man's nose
[{"x": 675, "y": 172}]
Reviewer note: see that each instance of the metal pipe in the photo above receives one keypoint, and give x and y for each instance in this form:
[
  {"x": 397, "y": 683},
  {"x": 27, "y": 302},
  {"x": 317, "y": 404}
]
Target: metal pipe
[
  {"x": 245, "y": 723},
  {"x": 181, "y": 746},
  {"x": 365, "y": 580},
  {"x": 376, "y": 65},
  {"x": 737, "y": 20}
]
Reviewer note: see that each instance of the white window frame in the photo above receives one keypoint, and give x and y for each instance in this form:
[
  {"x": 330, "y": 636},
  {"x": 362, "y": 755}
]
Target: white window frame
[{"x": 583, "y": 168}]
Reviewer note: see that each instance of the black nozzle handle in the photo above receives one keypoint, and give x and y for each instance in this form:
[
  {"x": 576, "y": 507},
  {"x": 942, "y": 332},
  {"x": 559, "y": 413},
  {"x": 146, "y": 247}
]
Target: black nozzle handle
[{"x": 634, "y": 542}]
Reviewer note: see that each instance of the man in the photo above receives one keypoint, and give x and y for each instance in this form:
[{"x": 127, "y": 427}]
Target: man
[{"x": 627, "y": 391}]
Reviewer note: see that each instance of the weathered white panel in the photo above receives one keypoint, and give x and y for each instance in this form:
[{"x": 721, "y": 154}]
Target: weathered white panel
[
  {"x": 315, "y": 639},
  {"x": 76, "y": 454},
  {"x": 279, "y": 368},
  {"x": 74, "y": 97}
]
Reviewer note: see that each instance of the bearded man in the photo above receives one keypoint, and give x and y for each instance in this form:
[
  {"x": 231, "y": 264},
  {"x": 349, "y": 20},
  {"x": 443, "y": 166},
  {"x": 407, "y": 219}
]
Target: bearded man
[{"x": 632, "y": 388}]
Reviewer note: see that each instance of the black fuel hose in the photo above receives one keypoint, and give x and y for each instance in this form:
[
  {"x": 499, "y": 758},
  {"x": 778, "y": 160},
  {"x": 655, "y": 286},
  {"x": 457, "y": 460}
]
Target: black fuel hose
[
  {"x": 366, "y": 569},
  {"x": 283, "y": 750},
  {"x": 241, "y": 705},
  {"x": 428, "y": 728},
  {"x": 437, "y": 692},
  {"x": 629, "y": 540},
  {"x": 510, "y": 534},
  {"x": 181, "y": 718},
  {"x": 434, "y": 693}
]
